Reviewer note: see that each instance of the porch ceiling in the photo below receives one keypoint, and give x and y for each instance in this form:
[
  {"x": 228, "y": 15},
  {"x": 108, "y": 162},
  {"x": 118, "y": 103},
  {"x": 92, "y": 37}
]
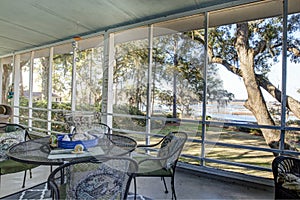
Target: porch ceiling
[{"x": 27, "y": 24}]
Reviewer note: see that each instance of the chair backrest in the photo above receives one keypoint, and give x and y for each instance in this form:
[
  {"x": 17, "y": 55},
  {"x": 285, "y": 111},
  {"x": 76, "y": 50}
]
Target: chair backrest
[
  {"x": 86, "y": 122},
  {"x": 10, "y": 134},
  {"x": 283, "y": 165},
  {"x": 171, "y": 147},
  {"x": 99, "y": 129},
  {"x": 5, "y": 113},
  {"x": 108, "y": 178},
  {"x": 286, "y": 170}
]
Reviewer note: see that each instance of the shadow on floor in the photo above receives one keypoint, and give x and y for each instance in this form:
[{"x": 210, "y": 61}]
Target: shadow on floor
[{"x": 188, "y": 186}]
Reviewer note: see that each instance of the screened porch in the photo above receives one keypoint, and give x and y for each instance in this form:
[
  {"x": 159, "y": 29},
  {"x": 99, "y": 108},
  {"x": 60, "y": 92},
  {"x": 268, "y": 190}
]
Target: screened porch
[{"x": 224, "y": 72}]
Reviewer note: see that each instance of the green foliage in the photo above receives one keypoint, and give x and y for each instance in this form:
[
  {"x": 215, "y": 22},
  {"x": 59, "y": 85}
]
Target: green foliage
[
  {"x": 265, "y": 36},
  {"x": 185, "y": 58},
  {"x": 170, "y": 115},
  {"x": 131, "y": 64},
  {"x": 165, "y": 96},
  {"x": 125, "y": 121},
  {"x": 58, "y": 116},
  {"x": 39, "y": 115},
  {"x": 177, "y": 60},
  {"x": 135, "y": 111}
]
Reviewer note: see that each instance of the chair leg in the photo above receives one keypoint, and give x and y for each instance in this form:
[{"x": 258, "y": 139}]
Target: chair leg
[
  {"x": 134, "y": 181},
  {"x": 173, "y": 188},
  {"x": 24, "y": 179},
  {"x": 166, "y": 189}
]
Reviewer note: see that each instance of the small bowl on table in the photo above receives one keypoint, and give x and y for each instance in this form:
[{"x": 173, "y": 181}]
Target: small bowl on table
[{"x": 71, "y": 144}]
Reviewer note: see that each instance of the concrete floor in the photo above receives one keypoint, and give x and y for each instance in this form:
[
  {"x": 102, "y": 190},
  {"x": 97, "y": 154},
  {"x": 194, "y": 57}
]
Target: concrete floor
[
  {"x": 194, "y": 186},
  {"x": 188, "y": 186}
]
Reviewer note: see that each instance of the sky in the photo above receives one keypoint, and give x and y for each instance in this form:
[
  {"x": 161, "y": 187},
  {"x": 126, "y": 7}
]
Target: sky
[{"x": 235, "y": 85}]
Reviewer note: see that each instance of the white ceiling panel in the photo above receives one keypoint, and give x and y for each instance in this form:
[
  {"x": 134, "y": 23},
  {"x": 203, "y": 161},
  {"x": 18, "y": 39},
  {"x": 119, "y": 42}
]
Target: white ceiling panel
[{"x": 30, "y": 24}]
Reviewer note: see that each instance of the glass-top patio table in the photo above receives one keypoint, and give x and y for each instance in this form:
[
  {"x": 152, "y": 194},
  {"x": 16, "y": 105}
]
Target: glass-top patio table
[{"x": 37, "y": 151}]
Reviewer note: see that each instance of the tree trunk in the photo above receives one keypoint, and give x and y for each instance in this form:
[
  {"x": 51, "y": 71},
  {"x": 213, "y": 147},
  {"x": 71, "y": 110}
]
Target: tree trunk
[
  {"x": 45, "y": 74},
  {"x": 7, "y": 69},
  {"x": 255, "y": 102}
]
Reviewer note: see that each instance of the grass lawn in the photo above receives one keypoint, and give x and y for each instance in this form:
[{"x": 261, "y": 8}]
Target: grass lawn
[{"x": 213, "y": 151}]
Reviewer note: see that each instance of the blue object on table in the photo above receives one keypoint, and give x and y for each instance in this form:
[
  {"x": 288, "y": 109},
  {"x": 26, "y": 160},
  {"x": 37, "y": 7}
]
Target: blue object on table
[{"x": 71, "y": 144}]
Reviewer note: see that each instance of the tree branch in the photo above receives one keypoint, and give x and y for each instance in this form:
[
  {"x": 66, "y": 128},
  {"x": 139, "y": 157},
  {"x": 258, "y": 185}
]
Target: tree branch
[
  {"x": 262, "y": 45},
  {"x": 292, "y": 104},
  {"x": 227, "y": 65},
  {"x": 290, "y": 48},
  {"x": 294, "y": 50}
]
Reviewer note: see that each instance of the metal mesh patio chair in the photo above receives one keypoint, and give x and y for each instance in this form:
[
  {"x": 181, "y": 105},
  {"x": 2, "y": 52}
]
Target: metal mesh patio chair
[
  {"x": 11, "y": 134},
  {"x": 286, "y": 172},
  {"x": 86, "y": 122},
  {"x": 164, "y": 163},
  {"x": 99, "y": 129},
  {"x": 105, "y": 178}
]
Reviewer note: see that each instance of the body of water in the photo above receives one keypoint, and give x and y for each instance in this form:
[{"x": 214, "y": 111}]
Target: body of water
[{"x": 234, "y": 111}]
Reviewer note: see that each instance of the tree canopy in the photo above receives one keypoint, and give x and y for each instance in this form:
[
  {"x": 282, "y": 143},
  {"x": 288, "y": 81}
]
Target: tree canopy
[{"x": 248, "y": 50}]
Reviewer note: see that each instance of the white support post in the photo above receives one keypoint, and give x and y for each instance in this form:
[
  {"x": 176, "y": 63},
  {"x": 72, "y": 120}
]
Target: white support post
[
  {"x": 1, "y": 75},
  {"x": 107, "y": 88},
  {"x": 73, "y": 95},
  {"x": 16, "y": 89},
  {"x": 49, "y": 105},
  {"x": 30, "y": 96},
  {"x": 149, "y": 83}
]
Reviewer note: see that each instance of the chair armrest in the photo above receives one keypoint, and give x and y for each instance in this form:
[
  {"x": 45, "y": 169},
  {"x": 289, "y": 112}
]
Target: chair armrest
[
  {"x": 150, "y": 151},
  {"x": 149, "y": 145},
  {"x": 33, "y": 135},
  {"x": 145, "y": 146},
  {"x": 153, "y": 145}
]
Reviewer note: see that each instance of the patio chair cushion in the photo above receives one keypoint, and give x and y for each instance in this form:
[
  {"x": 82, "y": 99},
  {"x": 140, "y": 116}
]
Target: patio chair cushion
[
  {"x": 83, "y": 187},
  {"x": 62, "y": 191},
  {"x": 289, "y": 181},
  {"x": 151, "y": 167},
  {"x": 91, "y": 186},
  {"x": 10, "y": 137},
  {"x": 11, "y": 134},
  {"x": 164, "y": 164},
  {"x": 11, "y": 166},
  {"x": 108, "y": 178}
]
